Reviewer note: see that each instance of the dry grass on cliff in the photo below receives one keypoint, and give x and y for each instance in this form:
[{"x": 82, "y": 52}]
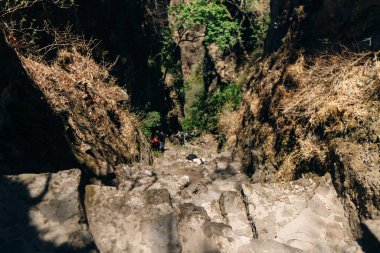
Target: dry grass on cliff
[
  {"x": 308, "y": 149},
  {"x": 336, "y": 94},
  {"x": 93, "y": 107},
  {"x": 60, "y": 78}
]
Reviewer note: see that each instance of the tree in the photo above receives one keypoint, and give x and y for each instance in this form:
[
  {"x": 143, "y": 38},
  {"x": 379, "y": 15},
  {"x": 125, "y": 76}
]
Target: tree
[
  {"x": 254, "y": 19},
  {"x": 212, "y": 15}
]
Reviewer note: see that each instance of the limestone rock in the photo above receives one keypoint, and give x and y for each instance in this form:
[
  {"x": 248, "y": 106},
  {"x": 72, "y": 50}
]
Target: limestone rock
[
  {"x": 356, "y": 174},
  {"x": 374, "y": 227},
  {"x": 211, "y": 209},
  {"x": 234, "y": 210},
  {"x": 140, "y": 179},
  {"x": 41, "y": 213},
  {"x": 122, "y": 221},
  {"x": 267, "y": 246},
  {"x": 206, "y": 236},
  {"x": 300, "y": 214}
]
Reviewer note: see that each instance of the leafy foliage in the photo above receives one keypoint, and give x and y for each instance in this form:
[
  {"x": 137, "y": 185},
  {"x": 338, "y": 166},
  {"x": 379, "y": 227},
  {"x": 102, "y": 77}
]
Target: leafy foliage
[
  {"x": 204, "y": 114},
  {"x": 168, "y": 47},
  {"x": 259, "y": 31},
  {"x": 150, "y": 122},
  {"x": 210, "y": 14},
  {"x": 171, "y": 62}
]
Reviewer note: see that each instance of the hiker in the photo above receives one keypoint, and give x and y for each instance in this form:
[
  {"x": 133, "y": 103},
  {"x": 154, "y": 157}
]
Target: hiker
[
  {"x": 182, "y": 137},
  {"x": 162, "y": 138},
  {"x": 175, "y": 139},
  {"x": 155, "y": 142}
]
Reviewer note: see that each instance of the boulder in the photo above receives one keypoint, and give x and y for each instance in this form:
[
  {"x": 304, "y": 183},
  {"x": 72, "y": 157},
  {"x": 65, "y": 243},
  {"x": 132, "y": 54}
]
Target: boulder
[
  {"x": 300, "y": 214},
  {"x": 199, "y": 234},
  {"x": 123, "y": 221},
  {"x": 267, "y": 246},
  {"x": 233, "y": 209},
  {"x": 41, "y": 213}
]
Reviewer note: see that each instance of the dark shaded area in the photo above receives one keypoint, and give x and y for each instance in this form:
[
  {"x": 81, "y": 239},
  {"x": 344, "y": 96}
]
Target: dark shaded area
[
  {"x": 127, "y": 30},
  {"x": 368, "y": 242},
  {"x": 17, "y": 234},
  {"x": 324, "y": 24},
  {"x": 130, "y": 29},
  {"x": 32, "y": 138},
  {"x": 174, "y": 245}
]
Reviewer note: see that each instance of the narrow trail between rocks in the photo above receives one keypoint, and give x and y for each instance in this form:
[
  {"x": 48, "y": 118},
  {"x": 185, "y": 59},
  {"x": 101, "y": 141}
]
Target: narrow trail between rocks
[{"x": 208, "y": 205}]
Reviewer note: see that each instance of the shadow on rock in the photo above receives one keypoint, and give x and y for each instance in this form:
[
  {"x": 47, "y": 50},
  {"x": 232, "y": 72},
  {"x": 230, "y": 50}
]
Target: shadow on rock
[{"x": 17, "y": 231}]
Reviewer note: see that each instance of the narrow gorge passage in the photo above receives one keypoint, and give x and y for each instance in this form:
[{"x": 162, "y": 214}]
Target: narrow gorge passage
[{"x": 278, "y": 101}]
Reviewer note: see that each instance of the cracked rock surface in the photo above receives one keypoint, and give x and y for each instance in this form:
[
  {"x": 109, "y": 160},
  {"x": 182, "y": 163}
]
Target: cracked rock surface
[{"x": 178, "y": 205}]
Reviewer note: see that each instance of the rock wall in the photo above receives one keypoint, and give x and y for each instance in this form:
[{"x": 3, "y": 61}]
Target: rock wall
[
  {"x": 324, "y": 23},
  {"x": 311, "y": 106},
  {"x": 31, "y": 137},
  {"x": 57, "y": 116},
  {"x": 132, "y": 31}
]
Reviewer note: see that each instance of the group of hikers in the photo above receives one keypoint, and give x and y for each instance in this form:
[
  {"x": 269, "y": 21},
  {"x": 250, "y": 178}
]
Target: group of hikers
[{"x": 158, "y": 140}]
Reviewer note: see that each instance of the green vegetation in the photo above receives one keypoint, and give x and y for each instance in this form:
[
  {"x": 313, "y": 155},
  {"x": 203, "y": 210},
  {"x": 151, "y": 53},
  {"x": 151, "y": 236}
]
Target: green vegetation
[
  {"x": 171, "y": 63},
  {"x": 157, "y": 153},
  {"x": 150, "y": 122},
  {"x": 259, "y": 31},
  {"x": 194, "y": 85},
  {"x": 204, "y": 115},
  {"x": 254, "y": 17},
  {"x": 213, "y": 15},
  {"x": 223, "y": 22},
  {"x": 168, "y": 47}
]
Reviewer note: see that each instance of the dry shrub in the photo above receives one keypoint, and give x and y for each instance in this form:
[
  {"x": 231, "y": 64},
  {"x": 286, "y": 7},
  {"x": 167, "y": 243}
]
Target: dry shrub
[
  {"x": 95, "y": 112},
  {"x": 71, "y": 69},
  {"x": 295, "y": 72},
  {"x": 336, "y": 92},
  {"x": 229, "y": 124},
  {"x": 288, "y": 166},
  {"x": 260, "y": 7},
  {"x": 307, "y": 151}
]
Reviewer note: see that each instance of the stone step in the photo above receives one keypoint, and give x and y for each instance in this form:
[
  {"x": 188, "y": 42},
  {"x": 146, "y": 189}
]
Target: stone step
[
  {"x": 302, "y": 214},
  {"x": 123, "y": 221}
]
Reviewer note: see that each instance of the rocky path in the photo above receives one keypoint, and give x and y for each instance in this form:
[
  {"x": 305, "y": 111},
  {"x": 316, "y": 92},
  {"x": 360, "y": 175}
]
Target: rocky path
[
  {"x": 207, "y": 205},
  {"x": 176, "y": 205}
]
